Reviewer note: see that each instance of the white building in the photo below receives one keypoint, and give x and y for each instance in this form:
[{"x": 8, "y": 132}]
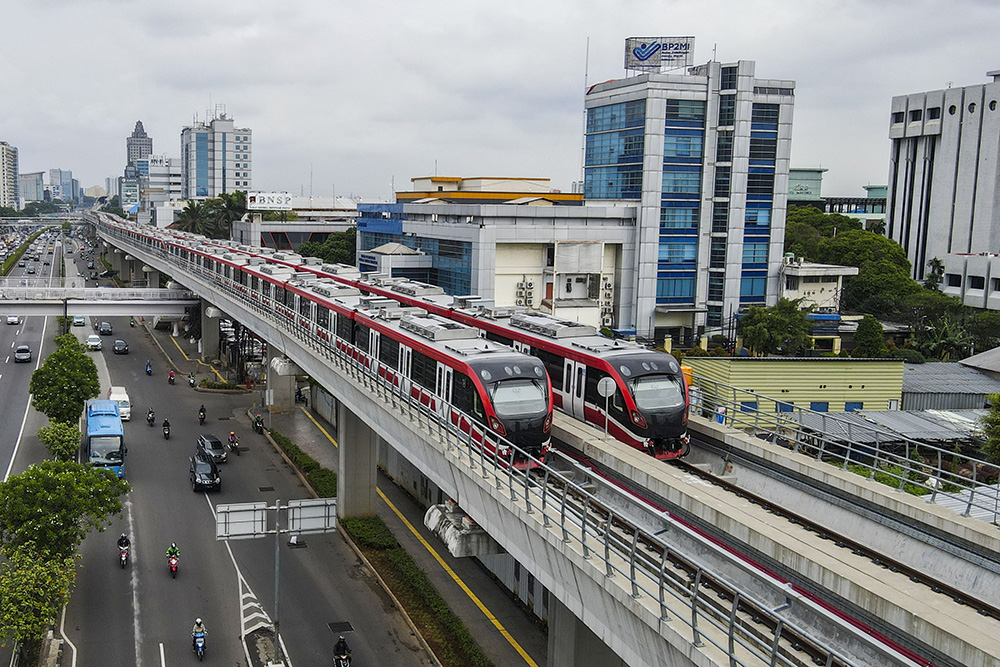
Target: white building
[
  {"x": 162, "y": 184},
  {"x": 704, "y": 156},
  {"x": 944, "y": 187},
  {"x": 216, "y": 157},
  {"x": 9, "y": 195}
]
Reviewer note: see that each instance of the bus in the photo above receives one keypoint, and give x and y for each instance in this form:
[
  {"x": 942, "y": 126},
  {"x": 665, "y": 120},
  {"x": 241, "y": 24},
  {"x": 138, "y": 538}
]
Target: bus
[{"x": 103, "y": 436}]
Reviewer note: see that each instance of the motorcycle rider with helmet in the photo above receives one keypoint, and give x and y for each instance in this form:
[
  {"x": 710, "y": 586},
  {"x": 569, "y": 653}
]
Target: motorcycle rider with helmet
[{"x": 199, "y": 628}]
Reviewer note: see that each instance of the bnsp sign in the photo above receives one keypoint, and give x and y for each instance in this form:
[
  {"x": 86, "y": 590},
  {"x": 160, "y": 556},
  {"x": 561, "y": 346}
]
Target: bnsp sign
[
  {"x": 656, "y": 53},
  {"x": 269, "y": 201}
]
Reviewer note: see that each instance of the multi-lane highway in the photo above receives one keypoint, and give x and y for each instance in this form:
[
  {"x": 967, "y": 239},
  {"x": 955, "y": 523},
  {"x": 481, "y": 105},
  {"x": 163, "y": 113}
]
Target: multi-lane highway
[{"x": 142, "y": 616}]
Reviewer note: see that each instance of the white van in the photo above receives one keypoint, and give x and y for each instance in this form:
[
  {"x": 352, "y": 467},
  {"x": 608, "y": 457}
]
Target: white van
[{"x": 120, "y": 396}]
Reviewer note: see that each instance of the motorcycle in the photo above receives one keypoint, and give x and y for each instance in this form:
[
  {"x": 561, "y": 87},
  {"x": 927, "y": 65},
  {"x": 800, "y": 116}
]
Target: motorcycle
[
  {"x": 150, "y": 418},
  {"x": 149, "y": 369},
  {"x": 234, "y": 444},
  {"x": 199, "y": 644},
  {"x": 300, "y": 397},
  {"x": 191, "y": 381},
  {"x": 258, "y": 425},
  {"x": 172, "y": 564},
  {"x": 131, "y": 322},
  {"x": 166, "y": 432},
  {"x": 170, "y": 377},
  {"x": 342, "y": 660},
  {"x": 201, "y": 416},
  {"x": 123, "y": 556}
]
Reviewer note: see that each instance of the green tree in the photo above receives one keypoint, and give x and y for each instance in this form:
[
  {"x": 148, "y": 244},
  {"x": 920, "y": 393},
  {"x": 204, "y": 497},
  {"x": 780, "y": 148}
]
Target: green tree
[
  {"x": 802, "y": 240},
  {"x": 33, "y": 591},
  {"x": 829, "y": 225},
  {"x": 990, "y": 423},
  {"x": 221, "y": 212},
  {"x": 62, "y": 440},
  {"x": 54, "y": 504},
  {"x": 61, "y": 386},
  {"x": 782, "y": 329},
  {"x": 337, "y": 248},
  {"x": 942, "y": 339},
  {"x": 880, "y": 288},
  {"x": 869, "y": 339},
  {"x": 984, "y": 330},
  {"x": 935, "y": 275},
  {"x": 193, "y": 218}
]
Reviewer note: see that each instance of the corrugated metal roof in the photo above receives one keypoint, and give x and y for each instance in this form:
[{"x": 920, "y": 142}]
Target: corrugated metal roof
[
  {"x": 871, "y": 426},
  {"x": 986, "y": 496},
  {"x": 988, "y": 360},
  {"x": 947, "y": 378}
]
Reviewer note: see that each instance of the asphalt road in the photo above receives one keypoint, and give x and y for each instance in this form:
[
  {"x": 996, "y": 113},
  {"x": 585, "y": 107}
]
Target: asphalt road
[{"x": 141, "y": 616}]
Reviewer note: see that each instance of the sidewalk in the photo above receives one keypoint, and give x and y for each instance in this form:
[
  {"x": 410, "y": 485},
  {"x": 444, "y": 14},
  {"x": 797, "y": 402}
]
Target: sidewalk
[{"x": 491, "y": 615}]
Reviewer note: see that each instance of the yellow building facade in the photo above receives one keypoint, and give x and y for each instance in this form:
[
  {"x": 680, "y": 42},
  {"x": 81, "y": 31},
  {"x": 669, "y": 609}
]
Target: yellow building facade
[{"x": 824, "y": 384}]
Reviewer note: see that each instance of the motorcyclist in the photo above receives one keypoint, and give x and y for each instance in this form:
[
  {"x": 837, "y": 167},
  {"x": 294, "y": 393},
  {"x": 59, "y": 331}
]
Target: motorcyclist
[
  {"x": 199, "y": 628},
  {"x": 150, "y": 416},
  {"x": 201, "y": 413},
  {"x": 232, "y": 438},
  {"x": 191, "y": 379},
  {"x": 131, "y": 321},
  {"x": 342, "y": 649},
  {"x": 124, "y": 542},
  {"x": 166, "y": 424},
  {"x": 149, "y": 367},
  {"x": 173, "y": 551},
  {"x": 170, "y": 377},
  {"x": 258, "y": 423}
]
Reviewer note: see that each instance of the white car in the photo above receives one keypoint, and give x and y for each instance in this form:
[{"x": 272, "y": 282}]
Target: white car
[
  {"x": 93, "y": 342},
  {"x": 13, "y": 319}
]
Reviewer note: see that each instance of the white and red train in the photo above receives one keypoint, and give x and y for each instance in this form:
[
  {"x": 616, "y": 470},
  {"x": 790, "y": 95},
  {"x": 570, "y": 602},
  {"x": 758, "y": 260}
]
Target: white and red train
[{"x": 648, "y": 409}]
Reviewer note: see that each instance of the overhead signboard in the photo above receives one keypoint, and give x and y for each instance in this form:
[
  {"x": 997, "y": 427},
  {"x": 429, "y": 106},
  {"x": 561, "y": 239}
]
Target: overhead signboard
[
  {"x": 653, "y": 54},
  {"x": 269, "y": 201},
  {"x": 317, "y": 515},
  {"x": 242, "y": 521}
]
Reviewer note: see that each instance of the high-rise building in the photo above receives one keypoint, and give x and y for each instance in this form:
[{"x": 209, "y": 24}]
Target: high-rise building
[
  {"x": 31, "y": 187},
  {"x": 61, "y": 185},
  {"x": 943, "y": 187},
  {"x": 216, "y": 157},
  {"x": 160, "y": 182},
  {"x": 704, "y": 155},
  {"x": 9, "y": 194},
  {"x": 138, "y": 146}
]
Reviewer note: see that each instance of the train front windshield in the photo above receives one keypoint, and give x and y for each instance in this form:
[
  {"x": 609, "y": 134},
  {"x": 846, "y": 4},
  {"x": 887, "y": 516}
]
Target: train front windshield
[
  {"x": 657, "y": 392},
  {"x": 514, "y": 398}
]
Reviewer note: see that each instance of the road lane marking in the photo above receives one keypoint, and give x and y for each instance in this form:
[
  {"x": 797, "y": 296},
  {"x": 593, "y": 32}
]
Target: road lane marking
[
  {"x": 27, "y": 409},
  {"x": 472, "y": 596},
  {"x": 163, "y": 661},
  {"x": 187, "y": 358},
  {"x": 135, "y": 589}
]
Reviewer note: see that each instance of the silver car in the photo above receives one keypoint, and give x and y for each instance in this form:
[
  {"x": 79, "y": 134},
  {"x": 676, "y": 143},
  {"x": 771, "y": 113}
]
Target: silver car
[{"x": 22, "y": 353}]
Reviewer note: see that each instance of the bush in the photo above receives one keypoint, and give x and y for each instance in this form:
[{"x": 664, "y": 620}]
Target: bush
[
  {"x": 908, "y": 355},
  {"x": 324, "y": 481},
  {"x": 302, "y": 461},
  {"x": 220, "y": 385}
]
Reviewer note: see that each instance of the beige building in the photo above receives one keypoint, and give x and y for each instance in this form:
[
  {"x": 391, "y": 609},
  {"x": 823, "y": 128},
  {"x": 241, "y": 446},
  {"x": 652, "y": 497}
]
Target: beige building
[{"x": 823, "y": 384}]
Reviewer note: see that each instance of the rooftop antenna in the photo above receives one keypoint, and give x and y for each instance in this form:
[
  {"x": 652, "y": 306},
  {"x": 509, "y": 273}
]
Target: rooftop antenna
[
  {"x": 583, "y": 134},
  {"x": 310, "y": 180}
]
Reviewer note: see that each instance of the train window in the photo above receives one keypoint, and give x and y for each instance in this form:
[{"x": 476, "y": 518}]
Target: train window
[
  {"x": 242, "y": 278},
  {"x": 361, "y": 336},
  {"x": 591, "y": 395},
  {"x": 579, "y": 382},
  {"x": 305, "y": 307},
  {"x": 466, "y": 397},
  {"x": 553, "y": 364},
  {"x": 422, "y": 370},
  {"x": 509, "y": 342},
  {"x": 254, "y": 283},
  {"x": 512, "y": 398},
  {"x": 388, "y": 352},
  {"x": 290, "y": 298},
  {"x": 323, "y": 316},
  {"x": 265, "y": 288},
  {"x": 654, "y": 392},
  {"x": 344, "y": 328},
  {"x": 279, "y": 294}
]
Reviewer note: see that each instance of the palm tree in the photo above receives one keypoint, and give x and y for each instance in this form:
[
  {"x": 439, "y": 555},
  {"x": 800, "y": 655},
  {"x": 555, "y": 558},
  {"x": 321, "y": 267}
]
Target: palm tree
[{"x": 192, "y": 219}]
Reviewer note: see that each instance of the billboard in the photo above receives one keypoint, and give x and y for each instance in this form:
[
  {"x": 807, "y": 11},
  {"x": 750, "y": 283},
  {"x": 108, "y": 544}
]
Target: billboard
[
  {"x": 652, "y": 54},
  {"x": 269, "y": 201}
]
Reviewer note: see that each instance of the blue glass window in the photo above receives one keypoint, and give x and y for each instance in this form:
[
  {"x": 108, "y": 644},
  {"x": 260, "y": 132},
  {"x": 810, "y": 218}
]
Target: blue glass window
[
  {"x": 683, "y": 145},
  {"x": 620, "y": 182},
  {"x": 679, "y": 217},
  {"x": 853, "y": 406},
  {"x": 785, "y": 407},
  {"x": 675, "y": 288},
  {"x": 685, "y": 112},
  {"x": 615, "y": 147},
  {"x": 682, "y": 179},
  {"x": 764, "y": 116},
  {"x": 752, "y": 288},
  {"x": 616, "y": 116},
  {"x": 678, "y": 251},
  {"x": 748, "y": 406},
  {"x": 819, "y": 406},
  {"x": 758, "y": 216},
  {"x": 754, "y": 253}
]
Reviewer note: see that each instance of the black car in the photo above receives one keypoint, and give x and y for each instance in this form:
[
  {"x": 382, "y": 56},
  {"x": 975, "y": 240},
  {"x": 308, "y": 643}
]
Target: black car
[
  {"x": 104, "y": 329},
  {"x": 204, "y": 474},
  {"x": 120, "y": 347},
  {"x": 212, "y": 447}
]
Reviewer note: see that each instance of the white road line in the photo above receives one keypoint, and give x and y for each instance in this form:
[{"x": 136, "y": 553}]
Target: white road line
[
  {"x": 135, "y": 588},
  {"x": 163, "y": 661},
  {"x": 240, "y": 583},
  {"x": 62, "y": 633},
  {"x": 27, "y": 409}
]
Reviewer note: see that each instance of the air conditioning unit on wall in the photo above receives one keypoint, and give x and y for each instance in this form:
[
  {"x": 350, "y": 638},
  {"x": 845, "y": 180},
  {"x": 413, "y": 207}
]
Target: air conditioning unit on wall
[
  {"x": 607, "y": 321},
  {"x": 520, "y": 302}
]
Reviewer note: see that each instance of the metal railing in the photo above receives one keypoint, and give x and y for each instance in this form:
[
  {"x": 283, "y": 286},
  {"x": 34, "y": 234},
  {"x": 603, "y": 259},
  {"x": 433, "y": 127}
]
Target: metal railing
[
  {"x": 56, "y": 289},
  {"x": 638, "y": 558},
  {"x": 870, "y": 450}
]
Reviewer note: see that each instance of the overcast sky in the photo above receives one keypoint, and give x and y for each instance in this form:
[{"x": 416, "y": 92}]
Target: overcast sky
[{"x": 354, "y": 97}]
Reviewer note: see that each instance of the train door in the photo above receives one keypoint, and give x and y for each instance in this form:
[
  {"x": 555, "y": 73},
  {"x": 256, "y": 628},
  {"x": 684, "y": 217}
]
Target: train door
[
  {"x": 405, "y": 357},
  {"x": 574, "y": 378},
  {"x": 443, "y": 386}
]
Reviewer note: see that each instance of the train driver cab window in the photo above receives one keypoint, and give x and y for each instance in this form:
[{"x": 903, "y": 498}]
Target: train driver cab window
[
  {"x": 522, "y": 396},
  {"x": 657, "y": 392}
]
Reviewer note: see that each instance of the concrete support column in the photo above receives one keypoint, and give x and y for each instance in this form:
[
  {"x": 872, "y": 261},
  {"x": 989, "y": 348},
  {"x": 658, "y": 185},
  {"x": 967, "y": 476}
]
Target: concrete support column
[
  {"x": 280, "y": 381},
  {"x": 209, "y": 333},
  {"x": 356, "y": 464},
  {"x": 152, "y": 279},
  {"x": 572, "y": 644},
  {"x": 115, "y": 258}
]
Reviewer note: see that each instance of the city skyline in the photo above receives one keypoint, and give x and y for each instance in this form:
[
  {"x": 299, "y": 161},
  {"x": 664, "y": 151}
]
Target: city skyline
[{"x": 349, "y": 101}]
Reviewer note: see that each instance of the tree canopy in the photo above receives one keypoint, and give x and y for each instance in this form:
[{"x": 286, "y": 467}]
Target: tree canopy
[
  {"x": 61, "y": 386},
  {"x": 32, "y": 593},
  {"x": 52, "y": 506},
  {"x": 782, "y": 329},
  {"x": 869, "y": 340},
  {"x": 337, "y": 248},
  {"x": 62, "y": 440},
  {"x": 213, "y": 218}
]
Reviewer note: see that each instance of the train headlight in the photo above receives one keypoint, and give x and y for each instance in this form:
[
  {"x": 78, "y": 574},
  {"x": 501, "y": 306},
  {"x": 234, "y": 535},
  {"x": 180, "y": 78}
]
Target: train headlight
[
  {"x": 547, "y": 424},
  {"x": 497, "y": 426},
  {"x": 638, "y": 419}
]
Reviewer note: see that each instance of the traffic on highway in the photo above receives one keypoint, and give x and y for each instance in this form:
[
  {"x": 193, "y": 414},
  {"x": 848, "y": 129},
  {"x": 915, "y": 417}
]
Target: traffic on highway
[{"x": 137, "y": 603}]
